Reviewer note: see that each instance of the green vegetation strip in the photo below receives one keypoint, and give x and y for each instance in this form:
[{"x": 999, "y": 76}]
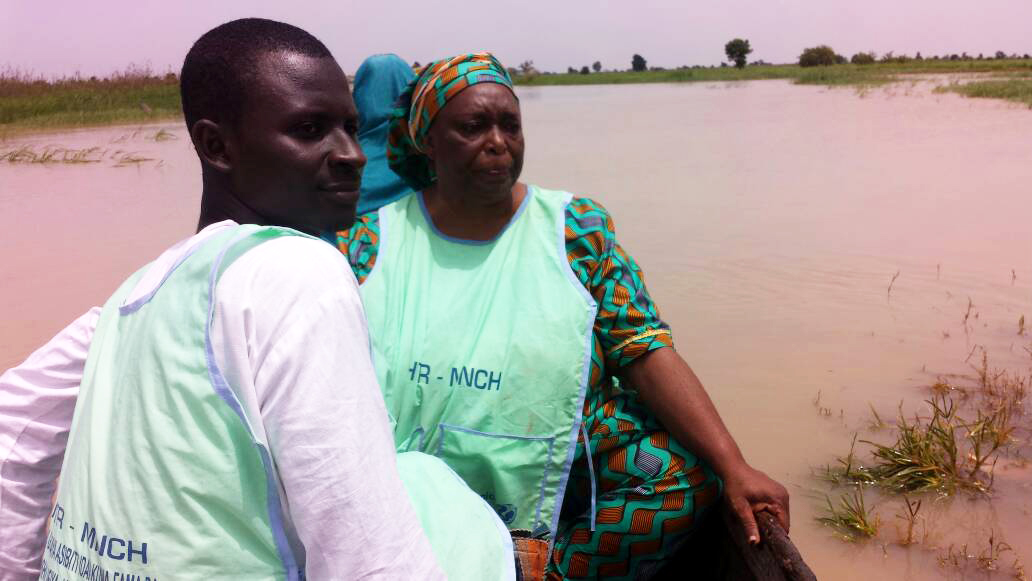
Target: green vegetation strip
[
  {"x": 1016, "y": 89},
  {"x": 136, "y": 96},
  {"x": 32, "y": 105}
]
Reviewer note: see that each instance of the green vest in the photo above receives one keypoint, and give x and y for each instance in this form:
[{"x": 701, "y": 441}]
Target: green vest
[
  {"x": 163, "y": 477},
  {"x": 483, "y": 351}
]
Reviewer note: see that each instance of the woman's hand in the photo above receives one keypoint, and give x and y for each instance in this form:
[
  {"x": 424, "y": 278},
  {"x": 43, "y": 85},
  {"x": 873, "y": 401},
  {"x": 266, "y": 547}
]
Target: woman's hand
[
  {"x": 671, "y": 390},
  {"x": 748, "y": 491}
]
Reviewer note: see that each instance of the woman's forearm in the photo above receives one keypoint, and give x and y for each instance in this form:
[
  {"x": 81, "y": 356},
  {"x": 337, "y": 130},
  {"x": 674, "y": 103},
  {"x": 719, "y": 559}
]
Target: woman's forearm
[{"x": 669, "y": 388}]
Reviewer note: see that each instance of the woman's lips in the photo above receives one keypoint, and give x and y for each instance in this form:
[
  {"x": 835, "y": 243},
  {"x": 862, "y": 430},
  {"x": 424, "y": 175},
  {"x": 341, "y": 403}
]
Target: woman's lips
[{"x": 497, "y": 173}]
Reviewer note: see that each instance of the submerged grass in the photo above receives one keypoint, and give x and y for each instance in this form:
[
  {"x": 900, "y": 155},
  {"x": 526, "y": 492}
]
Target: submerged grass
[
  {"x": 942, "y": 451},
  {"x": 1018, "y": 90},
  {"x": 64, "y": 155},
  {"x": 850, "y": 519},
  {"x": 935, "y": 452}
]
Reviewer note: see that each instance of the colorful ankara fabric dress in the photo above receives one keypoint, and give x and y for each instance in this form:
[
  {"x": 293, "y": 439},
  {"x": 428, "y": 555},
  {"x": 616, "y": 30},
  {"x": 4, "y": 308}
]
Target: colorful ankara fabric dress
[{"x": 650, "y": 489}]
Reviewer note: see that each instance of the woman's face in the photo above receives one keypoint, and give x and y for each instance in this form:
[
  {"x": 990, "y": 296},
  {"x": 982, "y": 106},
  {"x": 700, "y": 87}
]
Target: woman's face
[{"x": 476, "y": 144}]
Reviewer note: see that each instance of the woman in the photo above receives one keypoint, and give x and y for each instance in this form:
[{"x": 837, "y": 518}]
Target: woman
[
  {"x": 379, "y": 81},
  {"x": 508, "y": 326}
]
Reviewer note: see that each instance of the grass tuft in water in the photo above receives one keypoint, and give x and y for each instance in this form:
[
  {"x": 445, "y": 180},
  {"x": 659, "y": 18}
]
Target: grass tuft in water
[
  {"x": 851, "y": 519},
  {"x": 50, "y": 155},
  {"x": 909, "y": 517}
]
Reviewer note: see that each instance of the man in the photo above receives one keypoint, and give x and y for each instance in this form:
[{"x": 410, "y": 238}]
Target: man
[{"x": 229, "y": 424}]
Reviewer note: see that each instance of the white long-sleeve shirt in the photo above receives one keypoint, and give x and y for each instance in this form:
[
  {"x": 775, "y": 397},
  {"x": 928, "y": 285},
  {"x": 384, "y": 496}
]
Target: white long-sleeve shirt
[{"x": 290, "y": 336}]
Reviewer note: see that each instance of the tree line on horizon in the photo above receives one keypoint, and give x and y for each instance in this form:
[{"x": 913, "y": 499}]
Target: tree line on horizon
[{"x": 737, "y": 51}]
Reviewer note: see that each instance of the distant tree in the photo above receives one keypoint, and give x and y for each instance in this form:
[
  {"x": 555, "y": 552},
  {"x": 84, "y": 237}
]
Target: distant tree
[
  {"x": 723, "y": 65},
  {"x": 822, "y": 55},
  {"x": 888, "y": 57},
  {"x": 571, "y": 70},
  {"x": 840, "y": 60},
  {"x": 918, "y": 57},
  {"x": 863, "y": 58},
  {"x": 981, "y": 56},
  {"x": 638, "y": 63},
  {"x": 585, "y": 70},
  {"x": 1000, "y": 55},
  {"x": 527, "y": 67},
  {"x": 596, "y": 66},
  {"x": 1026, "y": 57},
  {"x": 737, "y": 50}
]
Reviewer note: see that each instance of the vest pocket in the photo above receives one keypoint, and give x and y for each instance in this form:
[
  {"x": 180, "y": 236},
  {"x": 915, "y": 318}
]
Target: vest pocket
[{"x": 510, "y": 472}]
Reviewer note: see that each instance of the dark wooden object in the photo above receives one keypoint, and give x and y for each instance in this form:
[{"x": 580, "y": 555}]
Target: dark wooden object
[{"x": 719, "y": 551}]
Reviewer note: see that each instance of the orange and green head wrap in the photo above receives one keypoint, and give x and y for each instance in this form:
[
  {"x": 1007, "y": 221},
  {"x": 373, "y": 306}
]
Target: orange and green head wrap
[{"x": 417, "y": 107}]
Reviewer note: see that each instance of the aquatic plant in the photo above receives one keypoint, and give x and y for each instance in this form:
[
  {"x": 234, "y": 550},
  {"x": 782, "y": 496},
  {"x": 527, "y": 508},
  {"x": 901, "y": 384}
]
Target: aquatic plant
[
  {"x": 163, "y": 135},
  {"x": 851, "y": 519},
  {"x": 910, "y": 518},
  {"x": 51, "y": 155},
  {"x": 47, "y": 155},
  {"x": 124, "y": 158},
  {"x": 888, "y": 292},
  {"x": 943, "y": 452},
  {"x": 1015, "y": 89},
  {"x": 924, "y": 455},
  {"x": 989, "y": 557}
]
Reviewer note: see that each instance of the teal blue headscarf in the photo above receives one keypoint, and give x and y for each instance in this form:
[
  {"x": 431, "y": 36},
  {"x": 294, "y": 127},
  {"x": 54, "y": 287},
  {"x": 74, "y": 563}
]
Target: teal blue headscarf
[{"x": 378, "y": 83}]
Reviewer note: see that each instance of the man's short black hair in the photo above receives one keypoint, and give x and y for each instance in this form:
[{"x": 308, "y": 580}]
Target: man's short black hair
[{"x": 221, "y": 65}]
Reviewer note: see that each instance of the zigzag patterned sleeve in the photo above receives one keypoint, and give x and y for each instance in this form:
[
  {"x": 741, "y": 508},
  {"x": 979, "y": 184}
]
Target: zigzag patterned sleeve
[
  {"x": 361, "y": 244},
  {"x": 628, "y": 324}
]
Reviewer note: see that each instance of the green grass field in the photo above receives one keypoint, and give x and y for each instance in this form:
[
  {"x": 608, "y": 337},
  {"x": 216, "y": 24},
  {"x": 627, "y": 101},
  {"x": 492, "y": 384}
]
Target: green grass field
[{"x": 29, "y": 104}]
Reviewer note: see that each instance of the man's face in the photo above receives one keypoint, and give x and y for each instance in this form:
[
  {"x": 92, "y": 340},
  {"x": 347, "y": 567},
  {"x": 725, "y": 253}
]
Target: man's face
[{"x": 295, "y": 159}]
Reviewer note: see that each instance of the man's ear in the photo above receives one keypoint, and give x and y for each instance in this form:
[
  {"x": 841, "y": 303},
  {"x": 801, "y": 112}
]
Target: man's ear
[{"x": 212, "y": 144}]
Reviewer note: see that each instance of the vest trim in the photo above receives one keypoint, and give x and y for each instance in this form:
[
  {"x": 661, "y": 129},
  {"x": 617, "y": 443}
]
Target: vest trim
[
  {"x": 443, "y": 236},
  {"x": 128, "y": 309},
  {"x": 218, "y": 381},
  {"x": 585, "y": 374}
]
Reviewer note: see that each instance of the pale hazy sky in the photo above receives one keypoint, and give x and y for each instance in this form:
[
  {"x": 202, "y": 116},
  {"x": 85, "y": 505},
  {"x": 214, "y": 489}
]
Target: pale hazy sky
[{"x": 59, "y": 37}]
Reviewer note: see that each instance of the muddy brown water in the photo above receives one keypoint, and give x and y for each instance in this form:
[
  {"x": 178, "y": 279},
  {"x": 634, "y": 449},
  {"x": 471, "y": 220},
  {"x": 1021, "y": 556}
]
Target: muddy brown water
[{"x": 769, "y": 218}]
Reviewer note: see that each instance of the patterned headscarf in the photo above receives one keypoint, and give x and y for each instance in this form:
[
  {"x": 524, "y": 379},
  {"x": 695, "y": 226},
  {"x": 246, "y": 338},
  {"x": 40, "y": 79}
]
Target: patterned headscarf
[{"x": 417, "y": 107}]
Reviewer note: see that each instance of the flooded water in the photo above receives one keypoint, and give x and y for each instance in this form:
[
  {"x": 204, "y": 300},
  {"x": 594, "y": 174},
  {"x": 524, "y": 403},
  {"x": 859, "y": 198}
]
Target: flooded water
[{"x": 770, "y": 219}]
